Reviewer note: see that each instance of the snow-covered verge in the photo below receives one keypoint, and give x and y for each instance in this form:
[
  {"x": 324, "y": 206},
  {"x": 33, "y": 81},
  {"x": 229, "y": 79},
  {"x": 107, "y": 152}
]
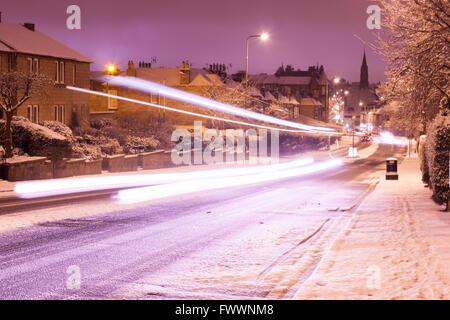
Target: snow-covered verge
[
  {"x": 397, "y": 246},
  {"x": 37, "y": 140}
]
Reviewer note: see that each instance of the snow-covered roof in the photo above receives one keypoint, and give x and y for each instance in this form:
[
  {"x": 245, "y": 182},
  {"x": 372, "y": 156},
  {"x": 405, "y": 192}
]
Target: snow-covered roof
[
  {"x": 15, "y": 37},
  {"x": 263, "y": 78},
  {"x": 233, "y": 84},
  {"x": 206, "y": 80},
  {"x": 293, "y": 101},
  {"x": 309, "y": 102},
  {"x": 5, "y": 48},
  {"x": 269, "y": 96},
  {"x": 284, "y": 80},
  {"x": 254, "y": 92},
  {"x": 167, "y": 76},
  {"x": 284, "y": 99},
  {"x": 294, "y": 80}
]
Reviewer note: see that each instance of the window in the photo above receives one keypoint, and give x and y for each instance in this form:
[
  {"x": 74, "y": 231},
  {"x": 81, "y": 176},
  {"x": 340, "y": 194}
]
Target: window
[
  {"x": 33, "y": 113},
  {"x": 74, "y": 74},
  {"x": 155, "y": 98},
  {"x": 29, "y": 111},
  {"x": 112, "y": 103},
  {"x": 29, "y": 65},
  {"x": 59, "y": 113},
  {"x": 32, "y": 65},
  {"x": 56, "y": 78},
  {"x": 59, "y": 71},
  {"x": 35, "y": 65}
]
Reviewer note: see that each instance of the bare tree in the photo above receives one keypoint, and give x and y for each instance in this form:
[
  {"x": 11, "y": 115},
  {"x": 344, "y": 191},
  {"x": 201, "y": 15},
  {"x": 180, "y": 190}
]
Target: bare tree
[{"x": 15, "y": 89}]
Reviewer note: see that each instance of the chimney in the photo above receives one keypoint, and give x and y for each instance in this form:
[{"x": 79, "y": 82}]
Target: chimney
[
  {"x": 131, "y": 71},
  {"x": 185, "y": 73},
  {"x": 29, "y": 26}
]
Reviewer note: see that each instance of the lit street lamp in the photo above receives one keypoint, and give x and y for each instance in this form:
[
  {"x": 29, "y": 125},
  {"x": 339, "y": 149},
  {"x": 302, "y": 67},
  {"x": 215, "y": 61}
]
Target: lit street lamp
[
  {"x": 264, "y": 37},
  {"x": 111, "y": 70}
]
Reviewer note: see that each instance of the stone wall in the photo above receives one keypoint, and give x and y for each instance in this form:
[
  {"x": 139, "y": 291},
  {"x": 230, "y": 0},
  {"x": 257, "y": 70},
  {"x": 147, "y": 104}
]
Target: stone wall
[{"x": 32, "y": 168}]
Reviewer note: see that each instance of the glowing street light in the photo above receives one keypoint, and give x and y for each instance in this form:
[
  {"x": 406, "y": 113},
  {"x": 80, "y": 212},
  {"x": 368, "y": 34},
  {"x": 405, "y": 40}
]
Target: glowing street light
[
  {"x": 111, "y": 69},
  {"x": 264, "y": 36},
  {"x": 336, "y": 80},
  {"x": 346, "y": 92}
]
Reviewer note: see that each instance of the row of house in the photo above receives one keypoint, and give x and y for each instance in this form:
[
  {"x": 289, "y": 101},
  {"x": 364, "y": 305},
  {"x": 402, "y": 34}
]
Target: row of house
[{"x": 23, "y": 48}]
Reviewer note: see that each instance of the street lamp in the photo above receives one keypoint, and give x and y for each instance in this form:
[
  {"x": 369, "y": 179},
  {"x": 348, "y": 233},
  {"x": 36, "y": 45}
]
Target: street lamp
[
  {"x": 336, "y": 80},
  {"x": 111, "y": 69},
  {"x": 264, "y": 36}
]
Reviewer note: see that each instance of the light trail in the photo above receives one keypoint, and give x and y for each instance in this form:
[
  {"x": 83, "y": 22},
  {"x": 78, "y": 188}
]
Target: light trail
[
  {"x": 151, "y": 87},
  {"x": 389, "y": 138},
  {"x": 196, "y": 114},
  {"x": 186, "y": 187},
  {"x": 75, "y": 185}
]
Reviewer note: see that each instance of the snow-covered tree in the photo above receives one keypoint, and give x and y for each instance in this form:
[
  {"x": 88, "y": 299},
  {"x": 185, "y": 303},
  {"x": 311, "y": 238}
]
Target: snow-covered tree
[
  {"x": 415, "y": 40},
  {"x": 15, "y": 89}
]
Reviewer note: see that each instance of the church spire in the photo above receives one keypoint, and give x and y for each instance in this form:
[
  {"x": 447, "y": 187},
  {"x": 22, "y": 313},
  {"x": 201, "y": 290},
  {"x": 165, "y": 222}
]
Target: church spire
[{"x": 364, "y": 76}]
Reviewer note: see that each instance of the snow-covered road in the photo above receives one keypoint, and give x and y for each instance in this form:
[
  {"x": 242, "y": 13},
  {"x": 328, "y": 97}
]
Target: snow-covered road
[{"x": 248, "y": 242}]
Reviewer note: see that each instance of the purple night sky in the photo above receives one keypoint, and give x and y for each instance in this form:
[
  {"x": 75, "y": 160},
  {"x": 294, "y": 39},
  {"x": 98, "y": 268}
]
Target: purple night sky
[{"x": 303, "y": 32}]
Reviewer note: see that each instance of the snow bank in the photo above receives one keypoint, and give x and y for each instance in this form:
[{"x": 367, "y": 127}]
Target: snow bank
[{"x": 37, "y": 140}]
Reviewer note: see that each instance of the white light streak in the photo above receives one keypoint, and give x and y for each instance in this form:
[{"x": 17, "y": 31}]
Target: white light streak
[
  {"x": 388, "y": 138},
  {"x": 74, "y": 185},
  {"x": 196, "y": 114},
  {"x": 151, "y": 87},
  {"x": 186, "y": 187}
]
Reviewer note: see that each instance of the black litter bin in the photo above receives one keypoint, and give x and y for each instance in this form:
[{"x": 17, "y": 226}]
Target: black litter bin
[{"x": 391, "y": 169}]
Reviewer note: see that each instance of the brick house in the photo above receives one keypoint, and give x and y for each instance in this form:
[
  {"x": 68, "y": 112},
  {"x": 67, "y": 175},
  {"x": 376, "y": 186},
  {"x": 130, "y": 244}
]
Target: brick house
[
  {"x": 25, "y": 49},
  {"x": 186, "y": 78},
  {"x": 298, "y": 84}
]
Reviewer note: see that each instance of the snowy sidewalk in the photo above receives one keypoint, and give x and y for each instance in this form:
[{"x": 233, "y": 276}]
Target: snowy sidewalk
[{"x": 397, "y": 246}]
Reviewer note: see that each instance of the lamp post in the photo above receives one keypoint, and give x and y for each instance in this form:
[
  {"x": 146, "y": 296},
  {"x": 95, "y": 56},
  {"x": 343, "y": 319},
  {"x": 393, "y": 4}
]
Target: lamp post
[
  {"x": 264, "y": 37},
  {"x": 110, "y": 70}
]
